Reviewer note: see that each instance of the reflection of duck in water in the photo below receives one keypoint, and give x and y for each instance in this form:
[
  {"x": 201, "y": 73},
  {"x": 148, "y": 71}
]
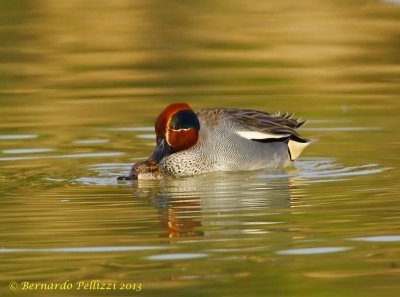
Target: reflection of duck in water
[
  {"x": 212, "y": 140},
  {"x": 216, "y": 203}
]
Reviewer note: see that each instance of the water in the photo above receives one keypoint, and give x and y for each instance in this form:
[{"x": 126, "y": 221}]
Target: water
[{"x": 80, "y": 87}]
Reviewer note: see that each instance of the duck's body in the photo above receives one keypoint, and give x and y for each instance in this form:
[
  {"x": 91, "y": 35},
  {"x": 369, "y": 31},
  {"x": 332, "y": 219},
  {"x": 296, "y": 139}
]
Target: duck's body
[{"x": 223, "y": 139}]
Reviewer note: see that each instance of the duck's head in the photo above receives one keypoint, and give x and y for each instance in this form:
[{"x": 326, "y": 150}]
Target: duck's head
[{"x": 177, "y": 129}]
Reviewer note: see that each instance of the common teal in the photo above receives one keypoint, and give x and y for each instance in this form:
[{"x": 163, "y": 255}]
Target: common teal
[{"x": 222, "y": 139}]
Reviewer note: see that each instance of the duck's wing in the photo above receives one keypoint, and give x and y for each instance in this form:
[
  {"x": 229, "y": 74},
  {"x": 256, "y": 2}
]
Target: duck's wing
[{"x": 262, "y": 127}]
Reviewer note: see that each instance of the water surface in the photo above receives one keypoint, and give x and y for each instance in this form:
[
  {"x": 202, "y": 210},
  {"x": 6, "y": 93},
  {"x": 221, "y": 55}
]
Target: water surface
[{"x": 80, "y": 87}]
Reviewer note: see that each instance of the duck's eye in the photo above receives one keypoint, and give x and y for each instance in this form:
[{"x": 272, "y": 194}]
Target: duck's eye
[{"x": 184, "y": 119}]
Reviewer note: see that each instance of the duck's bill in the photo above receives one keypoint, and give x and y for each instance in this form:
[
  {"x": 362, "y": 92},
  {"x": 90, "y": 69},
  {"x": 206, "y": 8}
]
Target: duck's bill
[
  {"x": 149, "y": 169},
  {"x": 143, "y": 170},
  {"x": 162, "y": 150}
]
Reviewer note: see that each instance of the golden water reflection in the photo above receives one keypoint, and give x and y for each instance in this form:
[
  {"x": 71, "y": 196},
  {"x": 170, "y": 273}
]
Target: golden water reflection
[
  {"x": 72, "y": 72},
  {"x": 207, "y": 205}
]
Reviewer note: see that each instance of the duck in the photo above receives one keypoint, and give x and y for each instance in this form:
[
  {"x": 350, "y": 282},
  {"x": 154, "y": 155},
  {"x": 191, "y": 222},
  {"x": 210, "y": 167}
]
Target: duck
[{"x": 219, "y": 139}]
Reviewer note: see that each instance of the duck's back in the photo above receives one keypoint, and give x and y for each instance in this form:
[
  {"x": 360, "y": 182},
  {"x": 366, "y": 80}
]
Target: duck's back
[
  {"x": 237, "y": 140},
  {"x": 227, "y": 134}
]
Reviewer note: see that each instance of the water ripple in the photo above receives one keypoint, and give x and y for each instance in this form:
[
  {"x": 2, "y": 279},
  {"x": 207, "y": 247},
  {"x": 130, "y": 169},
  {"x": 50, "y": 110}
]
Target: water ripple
[
  {"x": 387, "y": 238},
  {"x": 325, "y": 170},
  {"x": 18, "y": 136},
  {"x": 146, "y": 136},
  {"x": 313, "y": 251},
  {"x": 178, "y": 256},
  {"x": 131, "y": 129},
  {"x": 90, "y": 141},
  {"x": 306, "y": 171},
  {"x": 27, "y": 151},
  {"x": 100, "y": 249},
  {"x": 88, "y": 155}
]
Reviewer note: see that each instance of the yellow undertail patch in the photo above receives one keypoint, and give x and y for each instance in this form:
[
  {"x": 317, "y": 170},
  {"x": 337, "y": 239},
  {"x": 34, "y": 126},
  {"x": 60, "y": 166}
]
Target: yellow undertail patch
[{"x": 296, "y": 148}]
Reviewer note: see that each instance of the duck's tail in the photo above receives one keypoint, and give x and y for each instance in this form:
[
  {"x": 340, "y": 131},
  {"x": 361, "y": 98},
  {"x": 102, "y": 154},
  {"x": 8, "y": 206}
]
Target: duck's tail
[{"x": 297, "y": 145}]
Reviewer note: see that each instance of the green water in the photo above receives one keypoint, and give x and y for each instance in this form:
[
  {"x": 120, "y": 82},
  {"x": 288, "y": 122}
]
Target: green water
[{"x": 80, "y": 86}]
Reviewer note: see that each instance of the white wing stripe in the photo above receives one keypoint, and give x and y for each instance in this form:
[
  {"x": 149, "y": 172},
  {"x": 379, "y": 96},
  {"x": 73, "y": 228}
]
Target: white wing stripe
[{"x": 260, "y": 135}]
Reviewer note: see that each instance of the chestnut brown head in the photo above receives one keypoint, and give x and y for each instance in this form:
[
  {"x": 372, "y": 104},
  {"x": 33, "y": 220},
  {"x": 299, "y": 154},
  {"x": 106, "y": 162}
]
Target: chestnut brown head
[{"x": 177, "y": 128}]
